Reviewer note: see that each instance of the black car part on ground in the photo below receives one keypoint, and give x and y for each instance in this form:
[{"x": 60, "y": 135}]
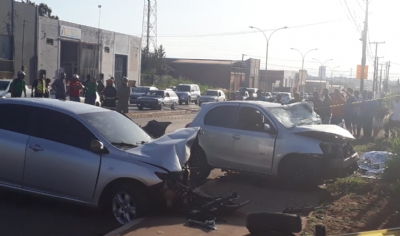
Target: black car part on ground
[
  {"x": 156, "y": 129},
  {"x": 199, "y": 206},
  {"x": 265, "y": 223}
]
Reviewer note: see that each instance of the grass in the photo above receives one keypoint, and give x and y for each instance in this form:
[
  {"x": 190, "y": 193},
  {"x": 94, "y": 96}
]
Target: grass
[{"x": 350, "y": 185}]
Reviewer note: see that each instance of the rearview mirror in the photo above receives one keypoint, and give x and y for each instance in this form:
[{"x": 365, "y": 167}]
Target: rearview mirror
[{"x": 97, "y": 146}]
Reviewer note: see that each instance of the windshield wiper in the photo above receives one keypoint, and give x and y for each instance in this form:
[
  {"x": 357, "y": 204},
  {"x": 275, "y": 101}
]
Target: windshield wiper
[{"x": 122, "y": 144}]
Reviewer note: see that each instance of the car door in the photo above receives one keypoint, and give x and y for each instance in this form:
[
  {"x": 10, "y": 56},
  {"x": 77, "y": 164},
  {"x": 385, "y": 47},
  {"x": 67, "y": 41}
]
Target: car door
[
  {"x": 254, "y": 146},
  {"x": 216, "y": 134},
  {"x": 58, "y": 157},
  {"x": 15, "y": 129}
]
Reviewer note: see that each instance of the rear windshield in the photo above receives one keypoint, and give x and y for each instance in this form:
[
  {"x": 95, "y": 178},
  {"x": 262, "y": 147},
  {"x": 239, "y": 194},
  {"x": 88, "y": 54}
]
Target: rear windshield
[
  {"x": 141, "y": 90},
  {"x": 155, "y": 94},
  {"x": 211, "y": 93},
  {"x": 183, "y": 88}
]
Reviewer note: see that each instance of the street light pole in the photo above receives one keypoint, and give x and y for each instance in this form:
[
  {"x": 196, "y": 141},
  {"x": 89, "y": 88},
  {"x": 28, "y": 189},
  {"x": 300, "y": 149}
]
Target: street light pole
[
  {"x": 320, "y": 77},
  {"x": 267, "y": 39},
  {"x": 302, "y": 64},
  {"x": 332, "y": 70}
]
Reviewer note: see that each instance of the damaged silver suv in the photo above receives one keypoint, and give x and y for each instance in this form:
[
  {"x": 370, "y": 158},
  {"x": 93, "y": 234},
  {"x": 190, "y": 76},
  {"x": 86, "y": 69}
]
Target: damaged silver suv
[{"x": 287, "y": 141}]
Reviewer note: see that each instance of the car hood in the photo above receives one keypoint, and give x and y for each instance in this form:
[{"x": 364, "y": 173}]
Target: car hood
[
  {"x": 323, "y": 132},
  {"x": 169, "y": 152},
  {"x": 181, "y": 92}
]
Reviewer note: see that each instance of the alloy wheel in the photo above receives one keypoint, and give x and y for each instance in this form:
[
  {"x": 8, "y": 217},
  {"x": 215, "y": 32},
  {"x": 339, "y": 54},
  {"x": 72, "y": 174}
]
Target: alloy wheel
[{"x": 124, "y": 207}]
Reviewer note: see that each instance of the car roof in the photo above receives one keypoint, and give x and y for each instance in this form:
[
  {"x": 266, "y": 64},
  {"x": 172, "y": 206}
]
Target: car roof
[
  {"x": 261, "y": 103},
  {"x": 68, "y": 106}
]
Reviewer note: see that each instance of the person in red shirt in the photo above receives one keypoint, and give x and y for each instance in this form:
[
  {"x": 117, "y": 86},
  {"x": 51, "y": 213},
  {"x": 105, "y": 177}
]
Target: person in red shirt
[
  {"x": 337, "y": 107},
  {"x": 75, "y": 88}
]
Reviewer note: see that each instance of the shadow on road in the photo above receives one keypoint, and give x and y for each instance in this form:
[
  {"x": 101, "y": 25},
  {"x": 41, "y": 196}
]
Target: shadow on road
[{"x": 23, "y": 214}]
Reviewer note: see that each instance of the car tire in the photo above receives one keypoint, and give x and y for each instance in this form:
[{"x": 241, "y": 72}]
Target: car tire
[
  {"x": 180, "y": 103},
  {"x": 299, "y": 174},
  {"x": 263, "y": 223},
  {"x": 199, "y": 167},
  {"x": 196, "y": 101},
  {"x": 173, "y": 106},
  {"x": 188, "y": 101},
  {"x": 140, "y": 107},
  {"x": 160, "y": 106},
  {"x": 133, "y": 195}
]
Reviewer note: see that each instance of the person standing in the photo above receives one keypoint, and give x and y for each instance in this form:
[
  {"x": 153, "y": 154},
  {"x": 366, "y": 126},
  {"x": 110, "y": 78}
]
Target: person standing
[
  {"x": 318, "y": 104},
  {"x": 358, "y": 118},
  {"x": 349, "y": 111},
  {"x": 326, "y": 112},
  {"x": 110, "y": 96},
  {"x": 39, "y": 86},
  {"x": 75, "y": 88},
  {"x": 17, "y": 86},
  {"x": 91, "y": 89},
  {"x": 100, "y": 89},
  {"x": 337, "y": 107},
  {"x": 368, "y": 111},
  {"x": 279, "y": 98},
  {"x": 296, "y": 98},
  {"x": 380, "y": 114},
  {"x": 123, "y": 93},
  {"x": 394, "y": 121},
  {"x": 251, "y": 96},
  {"x": 60, "y": 86}
]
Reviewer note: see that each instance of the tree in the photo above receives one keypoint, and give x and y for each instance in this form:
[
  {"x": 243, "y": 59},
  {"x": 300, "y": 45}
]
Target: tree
[
  {"x": 153, "y": 63},
  {"x": 43, "y": 9}
]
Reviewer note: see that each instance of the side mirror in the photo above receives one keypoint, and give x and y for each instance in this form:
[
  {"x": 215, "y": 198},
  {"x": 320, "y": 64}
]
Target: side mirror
[
  {"x": 267, "y": 127},
  {"x": 97, "y": 146}
]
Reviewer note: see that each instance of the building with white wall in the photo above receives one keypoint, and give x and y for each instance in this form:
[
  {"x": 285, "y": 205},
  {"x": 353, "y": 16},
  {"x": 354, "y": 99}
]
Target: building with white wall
[{"x": 77, "y": 49}]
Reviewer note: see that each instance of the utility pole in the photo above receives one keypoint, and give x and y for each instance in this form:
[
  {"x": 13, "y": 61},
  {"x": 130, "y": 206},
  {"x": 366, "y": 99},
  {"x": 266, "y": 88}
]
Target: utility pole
[
  {"x": 375, "y": 65},
  {"x": 148, "y": 25},
  {"x": 243, "y": 56},
  {"x": 23, "y": 45},
  {"x": 380, "y": 79},
  {"x": 364, "y": 47}
]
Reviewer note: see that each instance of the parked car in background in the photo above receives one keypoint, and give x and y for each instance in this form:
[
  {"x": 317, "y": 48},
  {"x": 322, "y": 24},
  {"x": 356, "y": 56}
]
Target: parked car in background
[
  {"x": 249, "y": 90},
  {"x": 274, "y": 94},
  {"x": 286, "y": 97},
  {"x": 5, "y": 87},
  {"x": 310, "y": 96},
  {"x": 81, "y": 98},
  {"x": 259, "y": 137},
  {"x": 267, "y": 95},
  {"x": 212, "y": 95},
  {"x": 86, "y": 154},
  {"x": 188, "y": 93},
  {"x": 241, "y": 95},
  {"x": 140, "y": 91},
  {"x": 158, "y": 99},
  {"x": 304, "y": 96}
]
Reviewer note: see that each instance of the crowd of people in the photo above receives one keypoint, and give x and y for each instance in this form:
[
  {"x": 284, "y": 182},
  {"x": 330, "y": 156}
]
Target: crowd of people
[{"x": 110, "y": 97}]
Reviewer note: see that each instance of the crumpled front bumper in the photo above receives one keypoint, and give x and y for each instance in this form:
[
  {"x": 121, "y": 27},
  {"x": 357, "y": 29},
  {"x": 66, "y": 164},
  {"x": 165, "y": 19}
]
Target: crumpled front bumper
[{"x": 339, "y": 168}]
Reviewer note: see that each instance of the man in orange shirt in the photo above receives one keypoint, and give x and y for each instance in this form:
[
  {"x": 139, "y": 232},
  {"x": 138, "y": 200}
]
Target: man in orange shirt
[{"x": 337, "y": 109}]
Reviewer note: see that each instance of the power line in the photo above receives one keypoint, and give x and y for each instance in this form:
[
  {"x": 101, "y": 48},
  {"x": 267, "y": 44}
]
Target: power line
[
  {"x": 242, "y": 32},
  {"x": 347, "y": 6},
  {"x": 360, "y": 6}
]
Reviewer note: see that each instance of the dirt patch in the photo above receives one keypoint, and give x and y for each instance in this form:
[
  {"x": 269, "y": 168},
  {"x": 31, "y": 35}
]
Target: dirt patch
[{"x": 357, "y": 212}]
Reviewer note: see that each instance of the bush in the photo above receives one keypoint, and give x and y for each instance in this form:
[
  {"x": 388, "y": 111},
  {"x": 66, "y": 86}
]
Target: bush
[{"x": 350, "y": 185}]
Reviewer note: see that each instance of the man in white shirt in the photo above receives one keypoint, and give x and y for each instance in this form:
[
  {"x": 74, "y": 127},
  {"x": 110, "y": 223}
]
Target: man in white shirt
[{"x": 394, "y": 121}]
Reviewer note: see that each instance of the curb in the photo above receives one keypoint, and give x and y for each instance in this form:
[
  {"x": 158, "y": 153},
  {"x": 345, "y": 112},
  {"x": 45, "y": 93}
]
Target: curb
[{"x": 122, "y": 229}]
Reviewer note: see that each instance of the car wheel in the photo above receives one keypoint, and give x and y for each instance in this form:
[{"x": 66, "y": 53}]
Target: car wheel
[
  {"x": 140, "y": 107},
  {"x": 173, "y": 106},
  {"x": 161, "y": 106},
  {"x": 196, "y": 101},
  {"x": 188, "y": 101},
  {"x": 199, "y": 168},
  {"x": 180, "y": 103},
  {"x": 263, "y": 223},
  {"x": 128, "y": 202},
  {"x": 299, "y": 174}
]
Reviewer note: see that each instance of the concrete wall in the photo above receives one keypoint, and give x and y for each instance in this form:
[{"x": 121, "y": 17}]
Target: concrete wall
[
  {"x": 117, "y": 43},
  {"x": 25, "y": 40}
]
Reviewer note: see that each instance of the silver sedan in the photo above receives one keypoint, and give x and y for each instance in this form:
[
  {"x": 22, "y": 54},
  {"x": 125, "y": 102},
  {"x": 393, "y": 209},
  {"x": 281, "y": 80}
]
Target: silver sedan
[{"x": 85, "y": 154}]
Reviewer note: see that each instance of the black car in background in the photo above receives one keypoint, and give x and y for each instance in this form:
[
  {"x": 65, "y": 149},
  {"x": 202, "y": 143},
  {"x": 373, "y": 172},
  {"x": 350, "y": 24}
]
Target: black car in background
[{"x": 140, "y": 91}]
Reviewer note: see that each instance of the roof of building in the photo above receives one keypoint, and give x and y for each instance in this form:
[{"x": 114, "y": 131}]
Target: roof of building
[{"x": 68, "y": 106}]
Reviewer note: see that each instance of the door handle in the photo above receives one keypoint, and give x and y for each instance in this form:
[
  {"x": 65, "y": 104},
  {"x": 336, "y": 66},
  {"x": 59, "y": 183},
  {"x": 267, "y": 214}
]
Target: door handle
[
  {"x": 236, "y": 136},
  {"x": 36, "y": 148},
  {"x": 201, "y": 131}
]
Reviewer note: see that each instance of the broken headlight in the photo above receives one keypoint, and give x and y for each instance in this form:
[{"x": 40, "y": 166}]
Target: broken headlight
[{"x": 332, "y": 150}]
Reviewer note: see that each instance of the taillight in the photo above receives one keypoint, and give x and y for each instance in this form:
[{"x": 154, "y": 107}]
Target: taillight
[{"x": 187, "y": 126}]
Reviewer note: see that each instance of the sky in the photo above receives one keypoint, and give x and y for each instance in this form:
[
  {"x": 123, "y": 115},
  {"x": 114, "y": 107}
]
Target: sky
[{"x": 219, "y": 29}]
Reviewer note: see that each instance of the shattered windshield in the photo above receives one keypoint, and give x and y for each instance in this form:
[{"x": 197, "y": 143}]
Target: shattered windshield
[{"x": 295, "y": 115}]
